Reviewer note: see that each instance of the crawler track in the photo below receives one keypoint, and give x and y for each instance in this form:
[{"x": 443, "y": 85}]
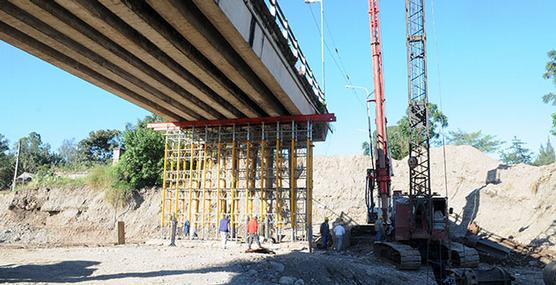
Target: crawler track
[
  {"x": 463, "y": 256},
  {"x": 404, "y": 256}
]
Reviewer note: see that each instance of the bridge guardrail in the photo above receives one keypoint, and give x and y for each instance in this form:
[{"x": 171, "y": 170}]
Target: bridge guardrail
[{"x": 271, "y": 12}]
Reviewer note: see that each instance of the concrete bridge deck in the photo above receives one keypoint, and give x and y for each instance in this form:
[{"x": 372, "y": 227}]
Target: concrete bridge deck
[{"x": 183, "y": 59}]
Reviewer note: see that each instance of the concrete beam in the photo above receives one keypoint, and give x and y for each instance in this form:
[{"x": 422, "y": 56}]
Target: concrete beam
[
  {"x": 39, "y": 30},
  {"x": 233, "y": 19},
  {"x": 56, "y": 58},
  {"x": 193, "y": 26},
  {"x": 159, "y": 32},
  {"x": 115, "y": 35}
]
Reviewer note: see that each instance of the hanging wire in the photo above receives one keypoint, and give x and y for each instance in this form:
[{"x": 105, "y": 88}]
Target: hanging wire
[{"x": 336, "y": 58}]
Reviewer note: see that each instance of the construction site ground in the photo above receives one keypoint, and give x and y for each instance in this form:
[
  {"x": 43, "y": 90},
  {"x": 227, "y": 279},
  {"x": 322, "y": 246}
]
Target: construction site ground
[
  {"x": 66, "y": 235},
  {"x": 205, "y": 262}
]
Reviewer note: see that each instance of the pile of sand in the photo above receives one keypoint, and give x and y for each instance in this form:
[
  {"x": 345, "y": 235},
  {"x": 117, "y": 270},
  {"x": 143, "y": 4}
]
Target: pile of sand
[{"x": 522, "y": 205}]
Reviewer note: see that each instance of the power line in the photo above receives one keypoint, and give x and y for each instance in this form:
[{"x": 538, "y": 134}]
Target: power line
[{"x": 338, "y": 62}]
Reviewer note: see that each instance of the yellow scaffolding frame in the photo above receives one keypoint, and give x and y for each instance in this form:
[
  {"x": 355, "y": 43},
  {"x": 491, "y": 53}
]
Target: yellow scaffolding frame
[
  {"x": 278, "y": 182},
  {"x": 183, "y": 193},
  {"x": 262, "y": 193},
  {"x": 219, "y": 186},
  {"x": 163, "y": 201},
  {"x": 177, "y": 177},
  {"x": 245, "y": 167},
  {"x": 204, "y": 183},
  {"x": 234, "y": 181},
  {"x": 191, "y": 162}
]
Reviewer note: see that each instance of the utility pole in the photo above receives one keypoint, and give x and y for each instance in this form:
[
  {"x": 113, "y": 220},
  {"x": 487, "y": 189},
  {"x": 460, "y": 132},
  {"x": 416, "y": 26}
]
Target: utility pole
[
  {"x": 16, "y": 165},
  {"x": 321, "y": 40}
]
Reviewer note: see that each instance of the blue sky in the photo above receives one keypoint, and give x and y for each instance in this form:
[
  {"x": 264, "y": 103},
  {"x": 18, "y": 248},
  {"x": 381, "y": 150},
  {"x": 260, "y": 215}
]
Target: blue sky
[{"x": 485, "y": 59}]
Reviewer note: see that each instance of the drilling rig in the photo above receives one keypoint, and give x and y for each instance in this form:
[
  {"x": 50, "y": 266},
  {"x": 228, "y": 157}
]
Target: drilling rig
[{"x": 419, "y": 217}]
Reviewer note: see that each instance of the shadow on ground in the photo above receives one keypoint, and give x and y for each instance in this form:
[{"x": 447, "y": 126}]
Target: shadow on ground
[
  {"x": 72, "y": 271},
  {"x": 318, "y": 268}
]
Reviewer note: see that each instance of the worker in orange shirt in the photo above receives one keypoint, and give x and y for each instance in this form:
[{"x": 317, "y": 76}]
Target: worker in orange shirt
[{"x": 253, "y": 231}]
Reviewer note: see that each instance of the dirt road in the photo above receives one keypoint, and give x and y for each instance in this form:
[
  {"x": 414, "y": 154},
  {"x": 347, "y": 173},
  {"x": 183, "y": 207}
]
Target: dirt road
[{"x": 201, "y": 262}]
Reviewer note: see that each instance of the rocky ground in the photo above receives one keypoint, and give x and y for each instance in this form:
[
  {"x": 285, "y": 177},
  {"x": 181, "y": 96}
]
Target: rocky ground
[{"x": 204, "y": 262}]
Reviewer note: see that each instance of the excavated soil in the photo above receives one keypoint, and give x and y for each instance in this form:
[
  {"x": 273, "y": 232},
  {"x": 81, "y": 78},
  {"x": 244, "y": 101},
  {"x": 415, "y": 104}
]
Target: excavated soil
[{"x": 521, "y": 205}]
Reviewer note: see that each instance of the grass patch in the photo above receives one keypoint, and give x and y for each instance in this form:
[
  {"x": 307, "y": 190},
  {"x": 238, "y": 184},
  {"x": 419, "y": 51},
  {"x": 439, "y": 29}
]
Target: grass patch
[
  {"x": 104, "y": 177},
  {"x": 101, "y": 177}
]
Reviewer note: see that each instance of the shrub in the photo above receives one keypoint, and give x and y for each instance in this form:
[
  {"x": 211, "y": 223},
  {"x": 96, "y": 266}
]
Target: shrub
[
  {"x": 141, "y": 164},
  {"x": 118, "y": 194}
]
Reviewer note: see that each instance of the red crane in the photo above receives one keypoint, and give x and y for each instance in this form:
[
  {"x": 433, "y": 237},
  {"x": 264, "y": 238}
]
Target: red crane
[
  {"x": 381, "y": 174},
  {"x": 417, "y": 218}
]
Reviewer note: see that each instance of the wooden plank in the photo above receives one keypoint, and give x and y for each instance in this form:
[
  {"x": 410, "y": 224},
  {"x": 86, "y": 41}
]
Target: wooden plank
[{"x": 121, "y": 232}]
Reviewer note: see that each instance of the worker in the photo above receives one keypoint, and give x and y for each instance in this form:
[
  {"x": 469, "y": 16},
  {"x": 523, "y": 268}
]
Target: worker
[
  {"x": 223, "y": 229},
  {"x": 185, "y": 228},
  {"x": 325, "y": 233},
  {"x": 253, "y": 232},
  {"x": 339, "y": 232},
  {"x": 379, "y": 229}
]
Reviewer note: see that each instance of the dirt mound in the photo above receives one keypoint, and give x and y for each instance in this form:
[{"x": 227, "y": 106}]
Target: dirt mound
[
  {"x": 521, "y": 205},
  {"x": 73, "y": 216}
]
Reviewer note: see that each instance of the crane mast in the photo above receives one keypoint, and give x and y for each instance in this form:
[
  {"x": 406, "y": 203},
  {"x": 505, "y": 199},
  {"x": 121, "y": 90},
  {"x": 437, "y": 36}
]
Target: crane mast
[
  {"x": 419, "y": 145},
  {"x": 382, "y": 172}
]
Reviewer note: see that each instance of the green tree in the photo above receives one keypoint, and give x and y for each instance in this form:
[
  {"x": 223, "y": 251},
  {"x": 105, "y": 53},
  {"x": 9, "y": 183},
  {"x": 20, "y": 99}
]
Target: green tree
[
  {"x": 69, "y": 152},
  {"x": 6, "y": 163},
  {"x": 516, "y": 153},
  {"x": 484, "y": 143},
  {"x": 34, "y": 153},
  {"x": 550, "y": 73},
  {"x": 141, "y": 164},
  {"x": 437, "y": 121},
  {"x": 546, "y": 155},
  {"x": 398, "y": 135},
  {"x": 365, "y": 148},
  {"x": 398, "y": 139},
  {"x": 99, "y": 145}
]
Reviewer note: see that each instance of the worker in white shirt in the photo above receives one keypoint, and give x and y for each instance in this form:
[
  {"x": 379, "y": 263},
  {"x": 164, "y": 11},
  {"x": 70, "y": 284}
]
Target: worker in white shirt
[{"x": 339, "y": 232}]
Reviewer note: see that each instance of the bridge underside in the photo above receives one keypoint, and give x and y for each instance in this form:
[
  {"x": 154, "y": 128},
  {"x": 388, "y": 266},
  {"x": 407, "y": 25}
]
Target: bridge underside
[{"x": 182, "y": 59}]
